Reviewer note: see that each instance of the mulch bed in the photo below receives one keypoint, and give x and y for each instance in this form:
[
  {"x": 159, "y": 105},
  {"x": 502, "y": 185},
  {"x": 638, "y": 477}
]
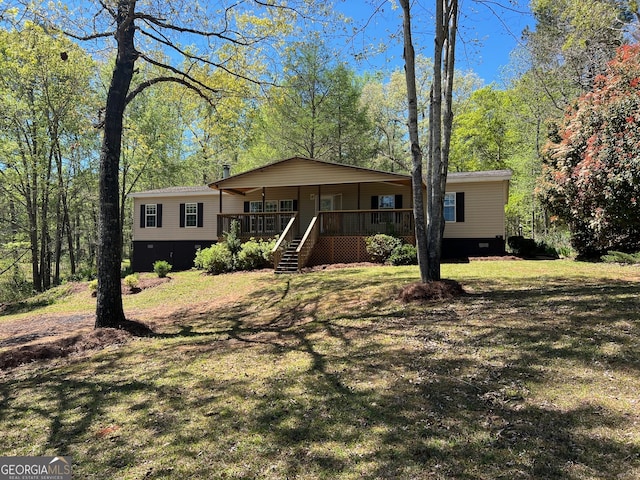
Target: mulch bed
[
  {"x": 45, "y": 337},
  {"x": 431, "y": 291},
  {"x": 63, "y": 347}
]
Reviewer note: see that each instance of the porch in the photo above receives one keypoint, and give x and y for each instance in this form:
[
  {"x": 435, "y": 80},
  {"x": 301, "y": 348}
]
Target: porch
[{"x": 333, "y": 236}]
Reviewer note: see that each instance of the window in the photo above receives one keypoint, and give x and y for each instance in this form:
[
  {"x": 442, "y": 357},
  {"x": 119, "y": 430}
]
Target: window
[
  {"x": 255, "y": 207},
  {"x": 449, "y": 207},
  {"x": 285, "y": 206},
  {"x": 270, "y": 206},
  {"x": 191, "y": 215},
  {"x": 386, "y": 201},
  {"x": 256, "y": 221},
  {"x": 151, "y": 216}
]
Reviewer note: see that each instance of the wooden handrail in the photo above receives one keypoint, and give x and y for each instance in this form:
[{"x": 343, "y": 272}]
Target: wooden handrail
[
  {"x": 307, "y": 243},
  {"x": 286, "y": 232}
]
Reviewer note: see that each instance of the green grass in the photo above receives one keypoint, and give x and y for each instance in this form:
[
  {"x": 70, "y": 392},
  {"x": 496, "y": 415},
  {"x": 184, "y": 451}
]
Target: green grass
[{"x": 534, "y": 375}]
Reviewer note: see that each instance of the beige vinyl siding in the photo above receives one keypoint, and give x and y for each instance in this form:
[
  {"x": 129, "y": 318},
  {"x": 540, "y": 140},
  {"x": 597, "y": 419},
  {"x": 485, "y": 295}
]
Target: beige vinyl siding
[
  {"x": 484, "y": 210},
  {"x": 170, "y": 229},
  {"x": 306, "y": 172}
]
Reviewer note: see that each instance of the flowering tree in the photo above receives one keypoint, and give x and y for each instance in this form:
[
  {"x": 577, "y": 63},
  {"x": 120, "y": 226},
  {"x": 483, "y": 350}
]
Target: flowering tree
[{"x": 591, "y": 176}]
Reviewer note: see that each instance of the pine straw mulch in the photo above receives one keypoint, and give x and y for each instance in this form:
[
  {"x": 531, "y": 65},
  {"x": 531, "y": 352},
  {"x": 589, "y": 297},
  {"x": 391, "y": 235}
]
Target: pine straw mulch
[{"x": 431, "y": 291}]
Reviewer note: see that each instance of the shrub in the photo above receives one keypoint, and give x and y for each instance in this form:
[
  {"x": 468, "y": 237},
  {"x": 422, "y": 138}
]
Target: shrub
[
  {"x": 84, "y": 272},
  {"x": 232, "y": 238},
  {"x": 255, "y": 254},
  {"x": 523, "y": 247},
  {"x": 215, "y": 259},
  {"x": 404, "y": 255},
  {"x": 93, "y": 287},
  {"x": 132, "y": 280},
  {"x": 162, "y": 268},
  {"x": 621, "y": 257},
  {"x": 381, "y": 246}
]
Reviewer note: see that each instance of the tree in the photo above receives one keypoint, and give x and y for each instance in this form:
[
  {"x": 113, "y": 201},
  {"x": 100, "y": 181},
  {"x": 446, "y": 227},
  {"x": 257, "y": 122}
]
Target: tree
[
  {"x": 416, "y": 151},
  {"x": 315, "y": 111},
  {"x": 429, "y": 241},
  {"x": 592, "y": 165},
  {"x": 483, "y": 136},
  {"x": 572, "y": 43},
  {"x": 238, "y": 32},
  {"x": 44, "y": 90},
  {"x": 440, "y": 127}
]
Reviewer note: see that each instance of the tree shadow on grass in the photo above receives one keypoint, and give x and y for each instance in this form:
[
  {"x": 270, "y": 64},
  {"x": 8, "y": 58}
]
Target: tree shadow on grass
[{"x": 432, "y": 391}]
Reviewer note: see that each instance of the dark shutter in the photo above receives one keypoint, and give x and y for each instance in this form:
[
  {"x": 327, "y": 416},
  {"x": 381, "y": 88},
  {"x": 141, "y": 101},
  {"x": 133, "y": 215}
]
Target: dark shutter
[
  {"x": 460, "y": 207},
  {"x": 374, "y": 202},
  {"x": 295, "y": 205},
  {"x": 159, "y": 212},
  {"x": 200, "y": 215},
  {"x": 398, "y": 201},
  {"x": 182, "y": 215},
  {"x": 246, "y": 207},
  {"x": 143, "y": 216}
]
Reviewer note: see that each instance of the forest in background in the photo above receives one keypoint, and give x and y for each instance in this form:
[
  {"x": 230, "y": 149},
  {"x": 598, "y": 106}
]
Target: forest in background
[{"x": 53, "y": 89}]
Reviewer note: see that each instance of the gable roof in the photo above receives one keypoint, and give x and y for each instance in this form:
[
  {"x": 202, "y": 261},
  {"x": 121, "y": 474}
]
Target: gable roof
[{"x": 300, "y": 171}]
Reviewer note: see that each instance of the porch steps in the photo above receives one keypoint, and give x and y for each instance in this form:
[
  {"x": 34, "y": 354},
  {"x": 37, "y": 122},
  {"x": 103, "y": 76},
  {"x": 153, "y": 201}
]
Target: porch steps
[{"x": 289, "y": 261}]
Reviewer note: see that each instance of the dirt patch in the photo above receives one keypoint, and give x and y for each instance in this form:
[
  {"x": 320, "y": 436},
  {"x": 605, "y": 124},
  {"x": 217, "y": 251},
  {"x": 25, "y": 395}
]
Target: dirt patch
[
  {"x": 423, "y": 292},
  {"x": 335, "y": 266},
  {"x": 494, "y": 258},
  {"x": 43, "y": 337},
  {"x": 143, "y": 284},
  {"x": 63, "y": 347}
]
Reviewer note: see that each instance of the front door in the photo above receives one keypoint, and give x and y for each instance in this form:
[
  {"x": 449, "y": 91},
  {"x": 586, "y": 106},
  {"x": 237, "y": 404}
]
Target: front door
[{"x": 330, "y": 222}]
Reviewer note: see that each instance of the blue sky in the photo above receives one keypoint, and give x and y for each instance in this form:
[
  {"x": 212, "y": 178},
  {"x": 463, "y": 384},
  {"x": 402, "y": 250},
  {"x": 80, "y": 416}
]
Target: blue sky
[{"x": 488, "y": 33}]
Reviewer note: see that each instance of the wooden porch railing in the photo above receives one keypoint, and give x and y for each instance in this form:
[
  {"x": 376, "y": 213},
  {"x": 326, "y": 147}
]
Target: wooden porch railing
[
  {"x": 397, "y": 222},
  {"x": 258, "y": 225},
  {"x": 285, "y": 239},
  {"x": 305, "y": 249}
]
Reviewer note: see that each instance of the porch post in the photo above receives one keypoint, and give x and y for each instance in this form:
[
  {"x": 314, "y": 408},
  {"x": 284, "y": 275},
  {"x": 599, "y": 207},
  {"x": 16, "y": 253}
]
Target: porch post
[
  {"x": 358, "y": 195},
  {"x": 219, "y": 221}
]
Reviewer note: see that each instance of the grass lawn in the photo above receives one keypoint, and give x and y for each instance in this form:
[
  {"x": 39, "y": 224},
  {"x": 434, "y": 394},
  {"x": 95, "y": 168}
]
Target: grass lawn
[{"x": 535, "y": 374}]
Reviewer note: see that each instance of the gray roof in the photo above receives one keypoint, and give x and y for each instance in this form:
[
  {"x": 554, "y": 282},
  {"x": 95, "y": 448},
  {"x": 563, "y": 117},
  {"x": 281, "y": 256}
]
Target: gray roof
[
  {"x": 173, "y": 191},
  {"x": 479, "y": 176}
]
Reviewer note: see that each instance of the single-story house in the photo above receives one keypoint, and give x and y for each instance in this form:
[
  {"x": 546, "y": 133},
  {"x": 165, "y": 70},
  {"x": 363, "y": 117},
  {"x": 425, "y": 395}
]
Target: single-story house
[{"x": 321, "y": 211}]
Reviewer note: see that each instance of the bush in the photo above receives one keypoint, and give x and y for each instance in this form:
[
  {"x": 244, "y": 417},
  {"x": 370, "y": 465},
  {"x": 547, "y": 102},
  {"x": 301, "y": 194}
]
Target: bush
[
  {"x": 255, "y": 254},
  {"x": 93, "y": 287},
  {"x": 215, "y": 259},
  {"x": 523, "y": 247},
  {"x": 381, "y": 246},
  {"x": 132, "y": 280},
  {"x": 621, "y": 257},
  {"x": 162, "y": 268},
  {"x": 15, "y": 289},
  {"x": 404, "y": 255}
]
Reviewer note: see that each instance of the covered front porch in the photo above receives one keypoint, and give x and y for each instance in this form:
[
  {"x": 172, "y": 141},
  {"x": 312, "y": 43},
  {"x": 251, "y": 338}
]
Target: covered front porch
[{"x": 321, "y": 212}]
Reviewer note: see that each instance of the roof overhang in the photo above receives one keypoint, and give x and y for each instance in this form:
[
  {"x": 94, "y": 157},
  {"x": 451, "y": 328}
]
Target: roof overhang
[
  {"x": 483, "y": 176},
  {"x": 278, "y": 174},
  {"x": 174, "y": 193}
]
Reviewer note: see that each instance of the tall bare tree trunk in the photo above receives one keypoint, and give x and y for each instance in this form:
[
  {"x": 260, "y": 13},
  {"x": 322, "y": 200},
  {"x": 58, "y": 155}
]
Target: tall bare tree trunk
[
  {"x": 416, "y": 151},
  {"x": 441, "y": 120},
  {"x": 109, "y": 309}
]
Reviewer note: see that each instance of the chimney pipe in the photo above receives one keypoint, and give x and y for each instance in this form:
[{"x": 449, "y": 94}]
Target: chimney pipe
[{"x": 226, "y": 171}]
